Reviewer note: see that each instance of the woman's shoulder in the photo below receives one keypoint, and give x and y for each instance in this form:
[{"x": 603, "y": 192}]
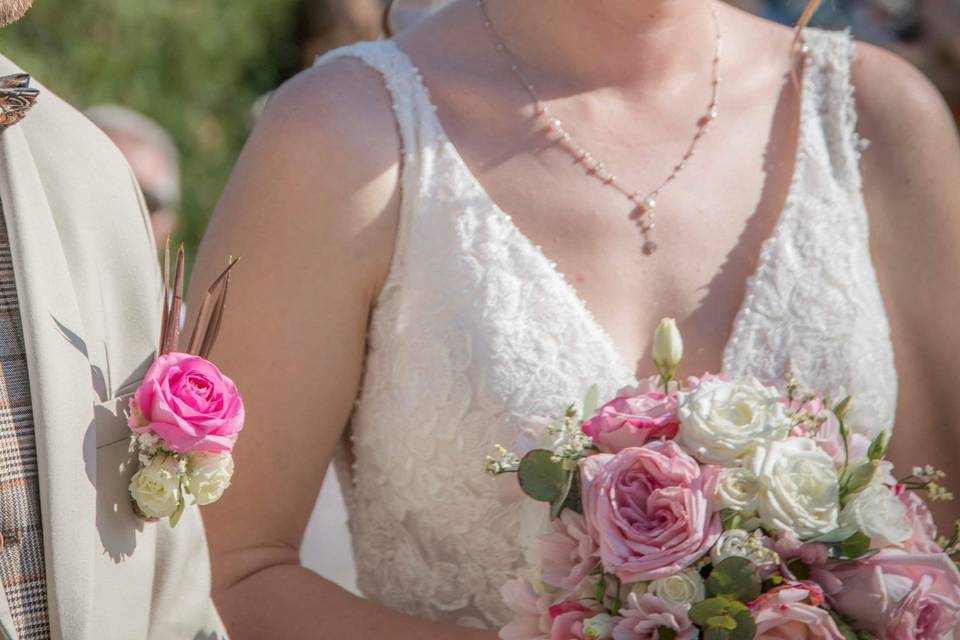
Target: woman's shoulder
[{"x": 897, "y": 104}]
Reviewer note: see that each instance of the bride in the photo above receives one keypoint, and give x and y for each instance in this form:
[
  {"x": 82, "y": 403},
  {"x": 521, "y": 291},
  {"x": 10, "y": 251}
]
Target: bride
[{"x": 455, "y": 230}]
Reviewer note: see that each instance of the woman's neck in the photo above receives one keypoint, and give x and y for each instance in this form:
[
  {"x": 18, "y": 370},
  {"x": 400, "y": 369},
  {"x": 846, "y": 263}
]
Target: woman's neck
[{"x": 597, "y": 43}]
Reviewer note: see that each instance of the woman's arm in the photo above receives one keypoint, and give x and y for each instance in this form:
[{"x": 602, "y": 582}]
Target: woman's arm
[
  {"x": 912, "y": 187},
  {"x": 312, "y": 210}
]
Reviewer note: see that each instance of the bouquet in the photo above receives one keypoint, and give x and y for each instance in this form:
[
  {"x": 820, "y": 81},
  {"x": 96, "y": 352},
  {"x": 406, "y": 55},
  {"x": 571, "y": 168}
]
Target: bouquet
[
  {"x": 723, "y": 508},
  {"x": 185, "y": 417}
]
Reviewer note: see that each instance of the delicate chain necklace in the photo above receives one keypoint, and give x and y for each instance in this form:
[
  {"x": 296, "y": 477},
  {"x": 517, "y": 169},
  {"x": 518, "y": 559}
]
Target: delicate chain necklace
[{"x": 645, "y": 205}]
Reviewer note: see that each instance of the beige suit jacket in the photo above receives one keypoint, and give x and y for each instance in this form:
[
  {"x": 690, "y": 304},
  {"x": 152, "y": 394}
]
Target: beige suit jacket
[{"x": 89, "y": 292}]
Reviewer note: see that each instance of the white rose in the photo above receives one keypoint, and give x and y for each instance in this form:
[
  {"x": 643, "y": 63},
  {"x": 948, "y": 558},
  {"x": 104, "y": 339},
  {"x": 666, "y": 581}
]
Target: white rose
[
  {"x": 599, "y": 627},
  {"x": 739, "y": 543},
  {"x": 799, "y": 490},
  {"x": 723, "y": 421},
  {"x": 879, "y": 514},
  {"x": 686, "y": 587},
  {"x": 738, "y": 489},
  {"x": 734, "y": 543},
  {"x": 208, "y": 476},
  {"x": 156, "y": 487}
]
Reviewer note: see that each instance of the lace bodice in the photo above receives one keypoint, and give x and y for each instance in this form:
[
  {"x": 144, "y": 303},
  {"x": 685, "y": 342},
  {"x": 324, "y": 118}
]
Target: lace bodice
[{"x": 476, "y": 331}]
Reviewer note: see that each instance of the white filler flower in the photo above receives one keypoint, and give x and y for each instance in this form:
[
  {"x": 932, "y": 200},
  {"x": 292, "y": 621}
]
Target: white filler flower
[
  {"x": 723, "y": 421},
  {"x": 156, "y": 487},
  {"x": 799, "y": 490},
  {"x": 208, "y": 476},
  {"x": 879, "y": 514}
]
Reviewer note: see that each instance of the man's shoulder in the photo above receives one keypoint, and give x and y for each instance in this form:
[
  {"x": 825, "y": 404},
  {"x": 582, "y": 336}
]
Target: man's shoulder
[{"x": 63, "y": 140}]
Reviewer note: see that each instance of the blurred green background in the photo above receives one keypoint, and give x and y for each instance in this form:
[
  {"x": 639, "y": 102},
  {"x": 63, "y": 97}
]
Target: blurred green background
[{"x": 196, "y": 67}]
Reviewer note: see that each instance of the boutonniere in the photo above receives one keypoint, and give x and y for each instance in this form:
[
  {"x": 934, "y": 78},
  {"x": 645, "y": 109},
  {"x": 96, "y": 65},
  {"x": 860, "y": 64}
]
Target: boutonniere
[{"x": 186, "y": 415}]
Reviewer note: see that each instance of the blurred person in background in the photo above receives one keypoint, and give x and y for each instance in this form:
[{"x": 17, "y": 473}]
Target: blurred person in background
[
  {"x": 152, "y": 155},
  {"x": 79, "y": 315},
  {"x": 328, "y": 24}
]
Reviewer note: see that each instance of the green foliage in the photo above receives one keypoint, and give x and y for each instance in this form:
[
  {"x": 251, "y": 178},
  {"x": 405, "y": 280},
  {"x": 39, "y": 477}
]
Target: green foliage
[
  {"x": 666, "y": 633},
  {"x": 735, "y": 578},
  {"x": 723, "y": 619},
  {"x": 195, "y": 67},
  {"x": 547, "y": 480},
  {"x": 731, "y": 519},
  {"x": 541, "y": 477}
]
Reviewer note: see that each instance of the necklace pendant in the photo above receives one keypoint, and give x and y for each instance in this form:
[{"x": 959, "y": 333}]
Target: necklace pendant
[{"x": 649, "y": 248}]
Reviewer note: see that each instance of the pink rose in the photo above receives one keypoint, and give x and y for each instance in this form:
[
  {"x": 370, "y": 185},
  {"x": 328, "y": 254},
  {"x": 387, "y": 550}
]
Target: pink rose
[
  {"x": 923, "y": 615},
  {"x": 644, "y": 615},
  {"x": 186, "y": 401},
  {"x": 901, "y": 596},
  {"x": 791, "y": 612},
  {"x": 633, "y": 418},
  {"x": 650, "y": 508},
  {"x": 924, "y": 537},
  {"x": 532, "y": 619},
  {"x": 568, "y": 551},
  {"x": 568, "y": 619},
  {"x": 813, "y": 554}
]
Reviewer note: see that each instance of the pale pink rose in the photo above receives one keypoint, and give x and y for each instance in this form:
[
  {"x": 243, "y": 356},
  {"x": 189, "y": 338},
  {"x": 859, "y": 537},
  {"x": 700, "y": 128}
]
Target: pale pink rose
[
  {"x": 186, "y": 401},
  {"x": 792, "y": 612},
  {"x": 568, "y": 619},
  {"x": 923, "y": 615},
  {"x": 532, "y": 619},
  {"x": 650, "y": 508},
  {"x": 568, "y": 552},
  {"x": 924, "y": 538},
  {"x": 644, "y": 615},
  {"x": 911, "y": 593},
  {"x": 634, "y": 420}
]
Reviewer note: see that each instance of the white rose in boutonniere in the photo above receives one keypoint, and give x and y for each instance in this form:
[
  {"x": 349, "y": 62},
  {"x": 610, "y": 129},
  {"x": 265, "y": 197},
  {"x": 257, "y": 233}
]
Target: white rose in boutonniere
[
  {"x": 156, "y": 487},
  {"x": 799, "y": 488},
  {"x": 879, "y": 514},
  {"x": 722, "y": 421},
  {"x": 208, "y": 476}
]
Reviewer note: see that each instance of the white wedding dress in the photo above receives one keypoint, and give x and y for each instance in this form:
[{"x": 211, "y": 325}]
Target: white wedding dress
[{"x": 476, "y": 331}]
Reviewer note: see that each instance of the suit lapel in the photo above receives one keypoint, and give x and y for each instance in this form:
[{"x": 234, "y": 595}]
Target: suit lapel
[{"x": 60, "y": 385}]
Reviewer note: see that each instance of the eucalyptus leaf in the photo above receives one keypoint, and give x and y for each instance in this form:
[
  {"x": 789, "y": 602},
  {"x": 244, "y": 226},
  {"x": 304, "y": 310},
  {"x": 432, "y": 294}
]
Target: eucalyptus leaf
[
  {"x": 735, "y": 578},
  {"x": 540, "y": 477},
  {"x": 706, "y": 609},
  {"x": 854, "y": 547},
  {"x": 560, "y": 503},
  {"x": 837, "y": 535}
]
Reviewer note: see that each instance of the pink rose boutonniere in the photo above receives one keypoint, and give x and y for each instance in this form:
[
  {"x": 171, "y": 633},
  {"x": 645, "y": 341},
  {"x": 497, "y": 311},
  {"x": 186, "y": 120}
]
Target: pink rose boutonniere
[{"x": 186, "y": 415}]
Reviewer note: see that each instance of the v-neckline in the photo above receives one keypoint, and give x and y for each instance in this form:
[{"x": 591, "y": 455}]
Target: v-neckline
[{"x": 550, "y": 266}]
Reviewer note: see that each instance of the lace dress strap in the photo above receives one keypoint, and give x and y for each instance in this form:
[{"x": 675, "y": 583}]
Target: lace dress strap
[
  {"x": 418, "y": 129},
  {"x": 829, "y": 57}
]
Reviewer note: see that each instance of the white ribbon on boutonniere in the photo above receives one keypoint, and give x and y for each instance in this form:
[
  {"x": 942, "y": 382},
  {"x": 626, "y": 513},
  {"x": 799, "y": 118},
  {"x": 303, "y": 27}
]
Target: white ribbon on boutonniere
[{"x": 186, "y": 415}]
